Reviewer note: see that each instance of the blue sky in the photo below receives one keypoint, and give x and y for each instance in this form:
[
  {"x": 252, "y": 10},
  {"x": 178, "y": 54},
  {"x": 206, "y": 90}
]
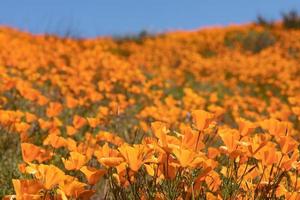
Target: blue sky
[{"x": 90, "y": 18}]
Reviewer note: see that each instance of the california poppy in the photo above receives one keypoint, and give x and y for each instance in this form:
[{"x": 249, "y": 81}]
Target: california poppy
[
  {"x": 75, "y": 161},
  {"x": 202, "y": 119},
  {"x": 93, "y": 175},
  {"x": 32, "y": 152}
]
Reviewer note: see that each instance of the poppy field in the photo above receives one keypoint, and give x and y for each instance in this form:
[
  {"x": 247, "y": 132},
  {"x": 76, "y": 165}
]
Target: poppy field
[{"x": 205, "y": 114}]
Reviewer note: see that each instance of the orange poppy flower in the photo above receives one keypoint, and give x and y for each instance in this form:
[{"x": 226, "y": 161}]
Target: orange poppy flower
[
  {"x": 30, "y": 117},
  {"x": 93, "y": 122},
  {"x": 108, "y": 157},
  {"x": 166, "y": 142},
  {"x": 71, "y": 102},
  {"x": 192, "y": 139},
  {"x": 135, "y": 155},
  {"x": 71, "y": 130},
  {"x": 275, "y": 127},
  {"x": 54, "y": 109},
  {"x": 31, "y": 152},
  {"x": 109, "y": 137},
  {"x": 78, "y": 122},
  {"x": 22, "y": 128},
  {"x": 268, "y": 155},
  {"x": 187, "y": 158},
  {"x": 202, "y": 119},
  {"x": 75, "y": 161},
  {"x": 27, "y": 189},
  {"x": 92, "y": 175},
  {"x": 55, "y": 141},
  {"x": 287, "y": 144},
  {"x": 256, "y": 143},
  {"x": 246, "y": 127},
  {"x": 48, "y": 176},
  {"x": 71, "y": 187},
  {"x": 231, "y": 139}
]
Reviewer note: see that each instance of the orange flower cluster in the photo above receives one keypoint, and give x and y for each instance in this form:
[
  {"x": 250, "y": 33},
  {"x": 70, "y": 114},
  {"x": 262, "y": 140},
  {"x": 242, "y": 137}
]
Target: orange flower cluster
[{"x": 208, "y": 114}]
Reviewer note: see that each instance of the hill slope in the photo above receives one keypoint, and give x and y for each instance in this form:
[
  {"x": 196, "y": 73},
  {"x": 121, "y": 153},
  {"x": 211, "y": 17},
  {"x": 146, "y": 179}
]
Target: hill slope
[{"x": 65, "y": 97}]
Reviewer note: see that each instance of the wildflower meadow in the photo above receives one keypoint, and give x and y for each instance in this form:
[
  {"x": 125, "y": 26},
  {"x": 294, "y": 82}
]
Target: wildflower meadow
[{"x": 208, "y": 114}]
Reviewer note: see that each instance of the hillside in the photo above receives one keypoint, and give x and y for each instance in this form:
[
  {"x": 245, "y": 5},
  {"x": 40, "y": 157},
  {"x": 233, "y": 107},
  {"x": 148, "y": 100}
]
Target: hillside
[{"x": 213, "y": 113}]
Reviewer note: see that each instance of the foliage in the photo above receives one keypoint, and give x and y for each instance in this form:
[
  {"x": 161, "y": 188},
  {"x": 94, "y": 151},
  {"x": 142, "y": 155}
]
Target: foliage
[
  {"x": 252, "y": 41},
  {"x": 291, "y": 20}
]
